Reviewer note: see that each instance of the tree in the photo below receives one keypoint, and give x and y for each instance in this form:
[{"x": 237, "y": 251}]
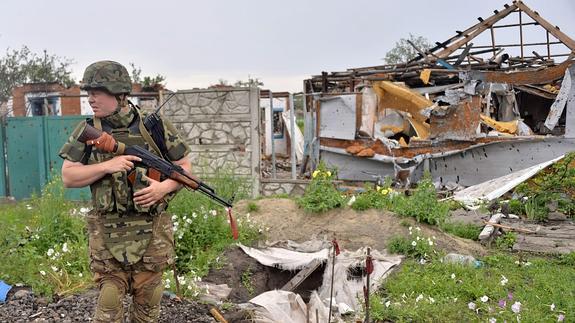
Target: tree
[
  {"x": 148, "y": 82},
  {"x": 403, "y": 51},
  {"x": 21, "y": 66},
  {"x": 250, "y": 82}
]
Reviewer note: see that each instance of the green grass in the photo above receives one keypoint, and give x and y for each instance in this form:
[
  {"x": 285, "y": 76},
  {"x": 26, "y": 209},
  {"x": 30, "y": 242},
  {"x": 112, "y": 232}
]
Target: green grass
[
  {"x": 448, "y": 289},
  {"x": 202, "y": 231},
  {"x": 44, "y": 246},
  {"x": 44, "y": 243},
  {"x": 463, "y": 230}
]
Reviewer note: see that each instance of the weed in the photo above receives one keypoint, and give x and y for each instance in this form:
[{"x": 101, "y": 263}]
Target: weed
[
  {"x": 516, "y": 207},
  {"x": 374, "y": 198},
  {"x": 567, "y": 259},
  {"x": 247, "y": 281},
  {"x": 506, "y": 241},
  {"x": 321, "y": 195},
  {"x": 43, "y": 245},
  {"x": 536, "y": 209},
  {"x": 462, "y": 230},
  {"x": 201, "y": 227},
  {"x": 252, "y": 207},
  {"x": 422, "y": 204},
  {"x": 417, "y": 246}
]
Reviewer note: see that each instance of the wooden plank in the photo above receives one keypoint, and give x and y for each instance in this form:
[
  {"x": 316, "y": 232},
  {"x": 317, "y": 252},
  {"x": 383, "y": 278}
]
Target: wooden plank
[
  {"x": 553, "y": 30},
  {"x": 475, "y": 31},
  {"x": 301, "y": 276}
]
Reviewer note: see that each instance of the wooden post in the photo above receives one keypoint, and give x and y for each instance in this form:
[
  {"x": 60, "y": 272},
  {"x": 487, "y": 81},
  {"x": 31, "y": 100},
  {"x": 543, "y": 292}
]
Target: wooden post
[
  {"x": 492, "y": 40},
  {"x": 521, "y": 32}
]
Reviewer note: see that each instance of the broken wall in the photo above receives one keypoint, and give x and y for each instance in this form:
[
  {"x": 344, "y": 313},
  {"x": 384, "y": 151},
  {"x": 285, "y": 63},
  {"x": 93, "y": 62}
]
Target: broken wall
[{"x": 222, "y": 128}]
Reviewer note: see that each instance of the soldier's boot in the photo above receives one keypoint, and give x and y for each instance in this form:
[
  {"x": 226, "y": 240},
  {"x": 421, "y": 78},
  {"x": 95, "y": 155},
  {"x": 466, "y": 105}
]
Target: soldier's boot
[
  {"x": 110, "y": 307},
  {"x": 147, "y": 289}
]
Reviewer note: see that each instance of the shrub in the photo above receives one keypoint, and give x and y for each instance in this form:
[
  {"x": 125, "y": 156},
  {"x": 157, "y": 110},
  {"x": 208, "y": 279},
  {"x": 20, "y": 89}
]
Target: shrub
[
  {"x": 422, "y": 204},
  {"x": 321, "y": 194}
]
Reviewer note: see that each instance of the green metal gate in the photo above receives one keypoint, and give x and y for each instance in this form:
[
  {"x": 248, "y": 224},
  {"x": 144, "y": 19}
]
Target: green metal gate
[{"x": 32, "y": 145}]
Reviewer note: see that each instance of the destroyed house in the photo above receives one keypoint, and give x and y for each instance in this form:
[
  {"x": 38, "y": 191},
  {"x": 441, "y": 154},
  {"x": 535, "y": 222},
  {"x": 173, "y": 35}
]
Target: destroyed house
[{"x": 472, "y": 108}]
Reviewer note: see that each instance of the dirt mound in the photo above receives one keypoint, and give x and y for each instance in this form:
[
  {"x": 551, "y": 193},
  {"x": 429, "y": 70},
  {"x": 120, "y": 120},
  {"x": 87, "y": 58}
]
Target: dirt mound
[{"x": 282, "y": 219}]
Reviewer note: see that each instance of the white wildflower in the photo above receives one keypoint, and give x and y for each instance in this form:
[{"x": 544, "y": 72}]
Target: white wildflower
[
  {"x": 504, "y": 280},
  {"x": 174, "y": 217},
  {"x": 420, "y": 297},
  {"x": 516, "y": 307},
  {"x": 194, "y": 215},
  {"x": 430, "y": 243},
  {"x": 552, "y": 306},
  {"x": 387, "y": 303},
  {"x": 65, "y": 247},
  {"x": 471, "y": 306},
  {"x": 492, "y": 320},
  {"x": 80, "y": 275},
  {"x": 43, "y": 273},
  {"x": 413, "y": 243},
  {"x": 213, "y": 212},
  {"x": 484, "y": 298},
  {"x": 431, "y": 300},
  {"x": 452, "y": 276},
  {"x": 54, "y": 268},
  {"x": 50, "y": 252}
]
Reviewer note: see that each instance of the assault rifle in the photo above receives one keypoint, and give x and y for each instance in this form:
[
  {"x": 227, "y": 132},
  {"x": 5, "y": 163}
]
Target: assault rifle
[{"x": 107, "y": 143}]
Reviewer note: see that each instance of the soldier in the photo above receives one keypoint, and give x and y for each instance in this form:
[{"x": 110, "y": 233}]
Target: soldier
[{"x": 130, "y": 234}]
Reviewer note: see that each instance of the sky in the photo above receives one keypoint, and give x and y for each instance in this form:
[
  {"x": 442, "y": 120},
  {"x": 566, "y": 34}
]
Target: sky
[{"x": 196, "y": 43}]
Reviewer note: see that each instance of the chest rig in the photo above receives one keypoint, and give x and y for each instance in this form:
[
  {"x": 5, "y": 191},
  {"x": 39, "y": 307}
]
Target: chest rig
[{"x": 127, "y": 226}]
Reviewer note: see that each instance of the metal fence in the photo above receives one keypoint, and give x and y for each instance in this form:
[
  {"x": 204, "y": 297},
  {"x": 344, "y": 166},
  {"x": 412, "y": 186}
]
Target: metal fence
[{"x": 29, "y": 154}]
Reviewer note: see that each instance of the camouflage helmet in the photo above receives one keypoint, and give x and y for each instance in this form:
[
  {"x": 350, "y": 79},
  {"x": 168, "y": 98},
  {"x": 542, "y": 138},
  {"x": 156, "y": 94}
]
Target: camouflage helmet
[{"x": 108, "y": 75}]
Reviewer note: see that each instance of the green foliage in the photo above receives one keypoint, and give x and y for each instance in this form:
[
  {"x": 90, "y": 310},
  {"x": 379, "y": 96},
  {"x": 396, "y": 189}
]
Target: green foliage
[
  {"x": 554, "y": 184},
  {"x": 19, "y": 66},
  {"x": 422, "y": 204},
  {"x": 417, "y": 246},
  {"x": 202, "y": 231},
  {"x": 506, "y": 241},
  {"x": 146, "y": 81},
  {"x": 446, "y": 292},
  {"x": 536, "y": 207},
  {"x": 246, "y": 280},
  {"x": 403, "y": 51},
  {"x": 462, "y": 230},
  {"x": 44, "y": 244},
  {"x": 252, "y": 207},
  {"x": 516, "y": 207},
  {"x": 568, "y": 259},
  {"x": 321, "y": 194},
  {"x": 374, "y": 198}
]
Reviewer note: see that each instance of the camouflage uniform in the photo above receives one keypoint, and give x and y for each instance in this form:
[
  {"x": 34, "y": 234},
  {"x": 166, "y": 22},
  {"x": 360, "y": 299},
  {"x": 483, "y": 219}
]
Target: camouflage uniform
[{"x": 130, "y": 245}]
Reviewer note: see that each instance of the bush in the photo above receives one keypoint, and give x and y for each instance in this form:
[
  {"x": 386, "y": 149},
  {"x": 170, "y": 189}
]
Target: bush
[
  {"x": 422, "y": 204},
  {"x": 378, "y": 198},
  {"x": 321, "y": 194}
]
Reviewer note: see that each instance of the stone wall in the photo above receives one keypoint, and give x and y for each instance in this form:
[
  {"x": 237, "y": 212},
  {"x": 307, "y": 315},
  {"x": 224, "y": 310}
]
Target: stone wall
[
  {"x": 291, "y": 187},
  {"x": 222, "y": 128}
]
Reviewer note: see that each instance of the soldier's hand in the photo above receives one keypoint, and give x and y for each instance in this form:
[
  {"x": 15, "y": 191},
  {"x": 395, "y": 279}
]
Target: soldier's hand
[
  {"x": 121, "y": 163},
  {"x": 150, "y": 195}
]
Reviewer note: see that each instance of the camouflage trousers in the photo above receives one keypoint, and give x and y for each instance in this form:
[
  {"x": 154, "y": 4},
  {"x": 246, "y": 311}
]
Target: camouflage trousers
[{"x": 142, "y": 280}]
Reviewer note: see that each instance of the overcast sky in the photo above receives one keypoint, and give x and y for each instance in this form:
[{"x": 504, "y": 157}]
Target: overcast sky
[{"x": 195, "y": 43}]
